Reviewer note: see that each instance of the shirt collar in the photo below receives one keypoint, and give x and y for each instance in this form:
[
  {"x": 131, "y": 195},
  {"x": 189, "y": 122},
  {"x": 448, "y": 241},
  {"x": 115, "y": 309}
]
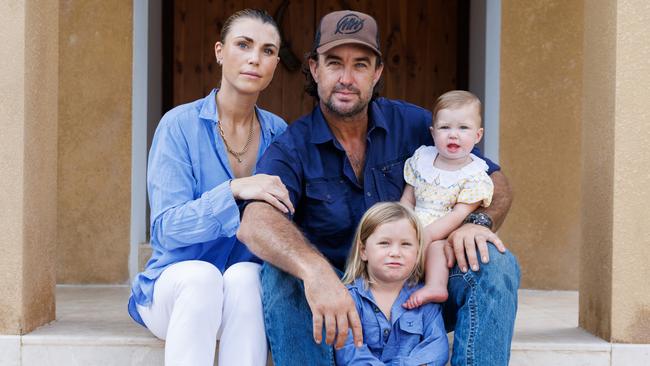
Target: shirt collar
[
  {"x": 377, "y": 118},
  {"x": 362, "y": 289},
  {"x": 209, "y": 112},
  {"x": 397, "y": 310},
  {"x": 209, "y": 107},
  {"x": 321, "y": 132}
]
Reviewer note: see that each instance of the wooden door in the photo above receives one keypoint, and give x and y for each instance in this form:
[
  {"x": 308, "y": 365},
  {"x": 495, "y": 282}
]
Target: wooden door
[{"x": 424, "y": 45}]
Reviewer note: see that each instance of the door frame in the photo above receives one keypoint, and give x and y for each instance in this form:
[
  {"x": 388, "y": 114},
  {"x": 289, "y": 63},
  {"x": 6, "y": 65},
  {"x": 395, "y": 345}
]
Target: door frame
[
  {"x": 146, "y": 110},
  {"x": 484, "y": 68}
]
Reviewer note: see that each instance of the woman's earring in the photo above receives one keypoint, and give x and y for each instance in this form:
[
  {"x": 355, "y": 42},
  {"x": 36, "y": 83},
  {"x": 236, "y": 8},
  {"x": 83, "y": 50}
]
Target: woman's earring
[{"x": 219, "y": 62}]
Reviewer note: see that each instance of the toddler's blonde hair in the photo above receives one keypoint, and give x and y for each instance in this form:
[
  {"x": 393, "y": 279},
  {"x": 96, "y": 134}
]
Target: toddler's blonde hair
[
  {"x": 376, "y": 215},
  {"x": 455, "y": 99}
]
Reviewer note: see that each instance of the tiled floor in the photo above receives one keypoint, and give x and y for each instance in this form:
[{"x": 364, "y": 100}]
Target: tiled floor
[{"x": 93, "y": 328}]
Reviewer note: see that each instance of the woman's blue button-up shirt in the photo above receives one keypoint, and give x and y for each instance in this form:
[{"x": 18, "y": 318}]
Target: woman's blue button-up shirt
[
  {"x": 410, "y": 338},
  {"x": 194, "y": 215}
]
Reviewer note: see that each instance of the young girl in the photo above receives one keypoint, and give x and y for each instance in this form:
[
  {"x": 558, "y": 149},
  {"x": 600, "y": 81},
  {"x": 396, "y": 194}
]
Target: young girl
[
  {"x": 383, "y": 270},
  {"x": 446, "y": 183}
]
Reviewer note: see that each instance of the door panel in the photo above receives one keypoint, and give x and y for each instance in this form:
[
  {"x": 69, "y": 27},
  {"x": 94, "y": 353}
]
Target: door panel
[{"x": 424, "y": 48}]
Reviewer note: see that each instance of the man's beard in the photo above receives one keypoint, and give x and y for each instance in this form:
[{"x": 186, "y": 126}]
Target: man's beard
[{"x": 355, "y": 110}]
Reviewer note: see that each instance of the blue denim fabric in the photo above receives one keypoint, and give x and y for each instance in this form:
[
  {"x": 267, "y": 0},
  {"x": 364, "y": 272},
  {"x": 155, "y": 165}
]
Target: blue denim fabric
[
  {"x": 410, "y": 338},
  {"x": 481, "y": 311},
  {"x": 288, "y": 321}
]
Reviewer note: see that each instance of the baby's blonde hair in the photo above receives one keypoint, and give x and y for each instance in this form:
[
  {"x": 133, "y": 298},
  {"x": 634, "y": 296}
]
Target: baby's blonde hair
[
  {"x": 455, "y": 99},
  {"x": 376, "y": 215}
]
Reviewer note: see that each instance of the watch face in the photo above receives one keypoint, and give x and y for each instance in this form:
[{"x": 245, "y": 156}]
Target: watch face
[
  {"x": 486, "y": 219},
  {"x": 479, "y": 219}
]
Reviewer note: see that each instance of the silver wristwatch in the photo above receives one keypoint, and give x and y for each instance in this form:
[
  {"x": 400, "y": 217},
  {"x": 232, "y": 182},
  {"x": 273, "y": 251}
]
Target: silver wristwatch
[{"x": 479, "y": 218}]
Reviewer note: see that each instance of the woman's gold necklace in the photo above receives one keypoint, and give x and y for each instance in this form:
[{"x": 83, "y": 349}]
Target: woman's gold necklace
[{"x": 237, "y": 154}]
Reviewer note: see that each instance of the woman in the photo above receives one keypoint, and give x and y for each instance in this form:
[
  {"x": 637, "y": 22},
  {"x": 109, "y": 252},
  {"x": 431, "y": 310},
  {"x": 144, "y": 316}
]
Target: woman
[{"x": 201, "y": 284}]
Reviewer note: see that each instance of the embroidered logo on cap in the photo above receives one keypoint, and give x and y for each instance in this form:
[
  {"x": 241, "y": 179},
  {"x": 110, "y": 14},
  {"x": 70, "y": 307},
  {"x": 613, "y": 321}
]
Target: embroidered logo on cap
[{"x": 349, "y": 24}]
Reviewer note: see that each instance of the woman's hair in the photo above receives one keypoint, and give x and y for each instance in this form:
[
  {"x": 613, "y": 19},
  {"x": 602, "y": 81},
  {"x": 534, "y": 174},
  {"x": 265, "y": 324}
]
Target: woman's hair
[
  {"x": 376, "y": 215},
  {"x": 456, "y": 99},
  {"x": 311, "y": 87},
  {"x": 258, "y": 14}
]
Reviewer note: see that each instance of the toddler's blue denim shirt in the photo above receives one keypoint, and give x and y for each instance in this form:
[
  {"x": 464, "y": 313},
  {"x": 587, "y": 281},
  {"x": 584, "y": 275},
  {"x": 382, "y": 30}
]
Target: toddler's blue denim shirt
[{"x": 411, "y": 337}]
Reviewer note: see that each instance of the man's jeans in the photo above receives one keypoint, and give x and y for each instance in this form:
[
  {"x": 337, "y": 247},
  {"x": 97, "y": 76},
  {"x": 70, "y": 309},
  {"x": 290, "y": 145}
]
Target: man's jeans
[{"x": 481, "y": 310}]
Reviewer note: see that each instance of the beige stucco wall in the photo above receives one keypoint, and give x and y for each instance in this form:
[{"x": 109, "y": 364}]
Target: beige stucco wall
[
  {"x": 614, "y": 293},
  {"x": 29, "y": 50},
  {"x": 599, "y": 115},
  {"x": 12, "y": 116},
  {"x": 631, "y": 239},
  {"x": 540, "y": 122},
  {"x": 94, "y": 141}
]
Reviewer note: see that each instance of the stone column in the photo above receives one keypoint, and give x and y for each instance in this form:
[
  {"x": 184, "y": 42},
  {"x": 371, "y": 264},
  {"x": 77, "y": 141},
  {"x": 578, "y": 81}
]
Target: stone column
[
  {"x": 28, "y": 162},
  {"x": 614, "y": 269}
]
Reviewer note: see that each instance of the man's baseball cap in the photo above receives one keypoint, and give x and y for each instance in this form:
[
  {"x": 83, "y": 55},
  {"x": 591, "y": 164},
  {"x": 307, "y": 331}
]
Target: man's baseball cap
[{"x": 346, "y": 27}]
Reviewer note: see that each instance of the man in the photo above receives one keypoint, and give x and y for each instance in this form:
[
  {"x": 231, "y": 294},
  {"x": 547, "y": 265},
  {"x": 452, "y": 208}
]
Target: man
[{"x": 338, "y": 161}]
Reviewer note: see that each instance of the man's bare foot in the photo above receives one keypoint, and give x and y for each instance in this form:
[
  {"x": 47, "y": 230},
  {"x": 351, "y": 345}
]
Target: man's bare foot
[{"x": 426, "y": 295}]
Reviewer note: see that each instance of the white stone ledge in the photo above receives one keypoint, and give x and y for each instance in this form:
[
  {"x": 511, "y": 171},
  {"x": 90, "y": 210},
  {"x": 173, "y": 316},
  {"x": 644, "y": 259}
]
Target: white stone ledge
[{"x": 93, "y": 328}]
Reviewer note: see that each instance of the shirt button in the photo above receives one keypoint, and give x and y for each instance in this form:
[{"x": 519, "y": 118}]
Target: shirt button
[
  {"x": 368, "y": 194},
  {"x": 386, "y": 333},
  {"x": 341, "y": 181},
  {"x": 376, "y": 309}
]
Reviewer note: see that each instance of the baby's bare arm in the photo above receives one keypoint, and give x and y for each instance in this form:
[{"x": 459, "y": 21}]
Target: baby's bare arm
[
  {"x": 442, "y": 227},
  {"x": 408, "y": 196},
  {"x": 466, "y": 239}
]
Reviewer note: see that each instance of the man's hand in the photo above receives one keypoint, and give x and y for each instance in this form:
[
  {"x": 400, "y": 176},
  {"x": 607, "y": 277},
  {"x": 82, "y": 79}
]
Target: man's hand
[
  {"x": 272, "y": 237},
  {"x": 462, "y": 243},
  {"x": 331, "y": 302}
]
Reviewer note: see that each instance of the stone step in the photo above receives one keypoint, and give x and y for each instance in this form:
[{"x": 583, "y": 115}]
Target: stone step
[{"x": 93, "y": 328}]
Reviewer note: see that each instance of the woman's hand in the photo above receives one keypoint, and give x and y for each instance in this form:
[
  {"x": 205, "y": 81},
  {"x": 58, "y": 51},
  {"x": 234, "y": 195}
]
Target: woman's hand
[{"x": 263, "y": 187}]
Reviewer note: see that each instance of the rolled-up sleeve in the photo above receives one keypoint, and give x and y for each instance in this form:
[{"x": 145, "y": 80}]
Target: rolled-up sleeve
[{"x": 178, "y": 218}]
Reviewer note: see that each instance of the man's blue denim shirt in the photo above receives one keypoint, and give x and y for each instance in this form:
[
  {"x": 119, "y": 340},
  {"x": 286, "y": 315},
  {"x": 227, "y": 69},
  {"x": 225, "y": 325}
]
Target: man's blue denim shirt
[
  {"x": 410, "y": 338},
  {"x": 328, "y": 198}
]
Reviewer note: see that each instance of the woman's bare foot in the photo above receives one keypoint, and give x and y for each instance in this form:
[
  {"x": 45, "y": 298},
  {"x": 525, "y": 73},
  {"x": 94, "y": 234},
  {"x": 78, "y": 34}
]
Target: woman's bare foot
[{"x": 425, "y": 295}]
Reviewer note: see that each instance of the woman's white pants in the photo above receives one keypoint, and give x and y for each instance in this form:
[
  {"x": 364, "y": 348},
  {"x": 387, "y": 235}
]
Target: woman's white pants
[{"x": 194, "y": 305}]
